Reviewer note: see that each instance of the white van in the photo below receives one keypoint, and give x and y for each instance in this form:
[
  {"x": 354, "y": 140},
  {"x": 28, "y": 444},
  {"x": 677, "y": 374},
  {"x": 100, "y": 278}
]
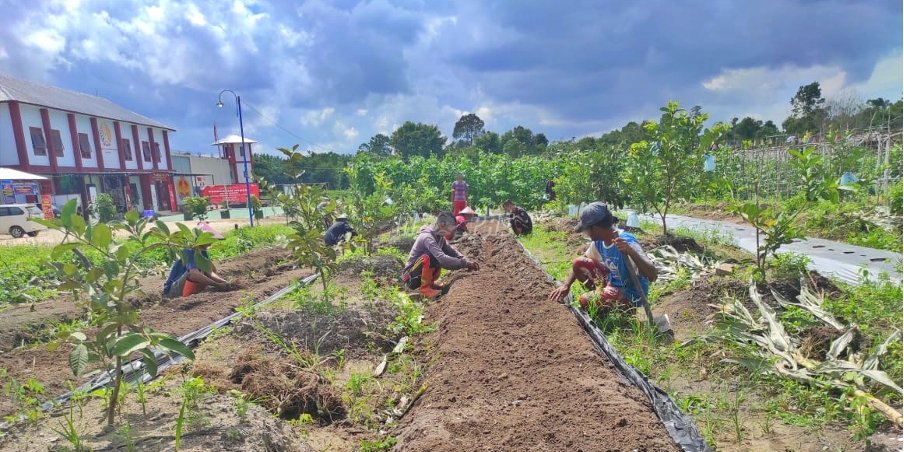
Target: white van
[{"x": 14, "y": 220}]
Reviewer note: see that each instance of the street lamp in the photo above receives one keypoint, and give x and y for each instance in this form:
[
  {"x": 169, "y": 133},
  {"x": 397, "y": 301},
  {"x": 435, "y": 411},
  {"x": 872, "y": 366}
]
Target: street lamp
[{"x": 246, "y": 153}]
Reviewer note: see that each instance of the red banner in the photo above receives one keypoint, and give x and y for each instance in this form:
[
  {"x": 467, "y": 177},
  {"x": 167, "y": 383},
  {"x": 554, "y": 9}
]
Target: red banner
[
  {"x": 47, "y": 207},
  {"x": 233, "y": 193}
]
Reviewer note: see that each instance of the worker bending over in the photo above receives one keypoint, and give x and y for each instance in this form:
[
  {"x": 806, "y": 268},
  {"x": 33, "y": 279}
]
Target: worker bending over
[
  {"x": 430, "y": 253},
  {"x": 462, "y": 219},
  {"x": 520, "y": 222},
  {"x": 186, "y": 278},
  {"x": 604, "y": 270},
  {"x": 338, "y": 231}
]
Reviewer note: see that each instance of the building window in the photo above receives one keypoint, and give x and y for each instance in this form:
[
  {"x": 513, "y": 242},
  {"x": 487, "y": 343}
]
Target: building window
[
  {"x": 84, "y": 145},
  {"x": 146, "y": 151},
  {"x": 157, "y": 152},
  {"x": 126, "y": 149},
  {"x": 57, "y": 142},
  {"x": 37, "y": 141}
]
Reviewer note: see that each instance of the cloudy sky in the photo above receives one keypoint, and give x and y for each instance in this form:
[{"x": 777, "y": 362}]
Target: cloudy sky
[{"x": 328, "y": 74}]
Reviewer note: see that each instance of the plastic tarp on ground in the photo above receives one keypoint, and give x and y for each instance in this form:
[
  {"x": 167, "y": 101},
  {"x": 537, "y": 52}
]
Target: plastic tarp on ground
[
  {"x": 680, "y": 427},
  {"x": 828, "y": 258}
]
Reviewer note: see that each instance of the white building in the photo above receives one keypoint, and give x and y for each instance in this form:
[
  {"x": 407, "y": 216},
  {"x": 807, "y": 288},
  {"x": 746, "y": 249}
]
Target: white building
[{"x": 85, "y": 145}]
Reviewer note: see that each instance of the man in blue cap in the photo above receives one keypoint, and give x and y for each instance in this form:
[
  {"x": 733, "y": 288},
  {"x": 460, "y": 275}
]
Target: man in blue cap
[{"x": 604, "y": 268}]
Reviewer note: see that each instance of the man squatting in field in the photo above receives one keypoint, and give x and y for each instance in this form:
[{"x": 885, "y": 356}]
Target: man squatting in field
[
  {"x": 520, "y": 222},
  {"x": 430, "y": 253},
  {"x": 605, "y": 261},
  {"x": 186, "y": 278}
]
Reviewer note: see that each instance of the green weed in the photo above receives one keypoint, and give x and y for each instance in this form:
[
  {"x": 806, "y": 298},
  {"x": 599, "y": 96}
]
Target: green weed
[{"x": 379, "y": 445}]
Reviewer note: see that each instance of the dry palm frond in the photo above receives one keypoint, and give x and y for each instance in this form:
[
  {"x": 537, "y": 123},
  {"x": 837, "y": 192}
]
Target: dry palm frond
[
  {"x": 772, "y": 344},
  {"x": 812, "y": 303},
  {"x": 668, "y": 261}
]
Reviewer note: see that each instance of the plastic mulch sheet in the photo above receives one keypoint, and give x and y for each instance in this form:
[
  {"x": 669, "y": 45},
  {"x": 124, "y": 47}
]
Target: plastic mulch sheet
[{"x": 680, "y": 427}]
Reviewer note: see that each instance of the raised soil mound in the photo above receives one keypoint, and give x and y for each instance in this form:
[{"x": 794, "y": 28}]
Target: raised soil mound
[{"x": 516, "y": 372}]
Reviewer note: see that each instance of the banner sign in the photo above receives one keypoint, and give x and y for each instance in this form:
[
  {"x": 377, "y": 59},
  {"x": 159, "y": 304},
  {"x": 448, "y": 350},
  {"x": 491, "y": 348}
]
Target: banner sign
[
  {"x": 47, "y": 207},
  {"x": 232, "y": 193}
]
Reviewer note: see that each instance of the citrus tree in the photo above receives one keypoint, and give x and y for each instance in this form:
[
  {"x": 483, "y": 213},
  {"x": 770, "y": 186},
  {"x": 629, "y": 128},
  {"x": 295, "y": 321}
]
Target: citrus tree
[
  {"x": 663, "y": 170},
  {"x": 107, "y": 289}
]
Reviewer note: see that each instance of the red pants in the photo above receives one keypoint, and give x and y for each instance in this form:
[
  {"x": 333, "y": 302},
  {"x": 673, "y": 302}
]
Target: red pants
[
  {"x": 191, "y": 288},
  {"x": 595, "y": 276},
  {"x": 457, "y": 206}
]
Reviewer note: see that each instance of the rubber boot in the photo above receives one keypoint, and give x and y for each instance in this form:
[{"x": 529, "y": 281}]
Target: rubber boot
[{"x": 428, "y": 276}]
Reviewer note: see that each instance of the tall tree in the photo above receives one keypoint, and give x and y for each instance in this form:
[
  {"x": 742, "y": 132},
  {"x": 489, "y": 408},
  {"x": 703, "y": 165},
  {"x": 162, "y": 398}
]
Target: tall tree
[
  {"x": 489, "y": 142},
  {"x": 807, "y": 100},
  {"x": 808, "y": 111},
  {"x": 378, "y": 145},
  {"x": 417, "y": 139},
  {"x": 467, "y": 128}
]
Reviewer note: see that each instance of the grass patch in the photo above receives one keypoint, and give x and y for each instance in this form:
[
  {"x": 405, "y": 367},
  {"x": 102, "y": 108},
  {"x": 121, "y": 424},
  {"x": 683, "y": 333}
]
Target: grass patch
[{"x": 728, "y": 389}]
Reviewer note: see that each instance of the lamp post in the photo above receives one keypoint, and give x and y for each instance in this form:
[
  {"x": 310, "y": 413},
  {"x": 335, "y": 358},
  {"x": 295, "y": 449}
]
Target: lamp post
[{"x": 246, "y": 153}]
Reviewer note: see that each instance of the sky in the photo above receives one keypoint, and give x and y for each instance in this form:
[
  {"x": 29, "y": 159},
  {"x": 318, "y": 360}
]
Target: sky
[{"x": 329, "y": 74}]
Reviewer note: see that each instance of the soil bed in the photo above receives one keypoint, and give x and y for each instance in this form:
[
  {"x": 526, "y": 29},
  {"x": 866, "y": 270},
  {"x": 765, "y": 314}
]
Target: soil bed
[
  {"x": 516, "y": 372},
  {"x": 260, "y": 273}
]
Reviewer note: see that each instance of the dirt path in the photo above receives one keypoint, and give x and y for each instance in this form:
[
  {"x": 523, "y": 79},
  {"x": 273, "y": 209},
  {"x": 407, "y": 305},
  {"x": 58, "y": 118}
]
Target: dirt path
[
  {"x": 515, "y": 372},
  {"x": 256, "y": 275}
]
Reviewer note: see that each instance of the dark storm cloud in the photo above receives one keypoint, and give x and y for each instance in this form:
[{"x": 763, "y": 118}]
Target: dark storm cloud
[{"x": 333, "y": 73}]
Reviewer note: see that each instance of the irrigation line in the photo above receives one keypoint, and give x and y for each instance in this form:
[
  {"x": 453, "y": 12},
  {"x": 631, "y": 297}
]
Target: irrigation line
[
  {"x": 679, "y": 426},
  {"x": 134, "y": 371}
]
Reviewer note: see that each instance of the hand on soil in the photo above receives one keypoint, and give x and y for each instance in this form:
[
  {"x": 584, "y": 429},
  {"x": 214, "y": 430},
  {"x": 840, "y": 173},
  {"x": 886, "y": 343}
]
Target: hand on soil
[
  {"x": 558, "y": 294},
  {"x": 472, "y": 265}
]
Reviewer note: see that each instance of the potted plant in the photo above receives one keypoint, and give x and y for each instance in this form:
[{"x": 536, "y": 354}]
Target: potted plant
[
  {"x": 257, "y": 208},
  {"x": 224, "y": 210},
  {"x": 195, "y": 207}
]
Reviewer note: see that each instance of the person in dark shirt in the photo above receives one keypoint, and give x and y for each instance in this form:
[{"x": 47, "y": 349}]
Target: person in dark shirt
[
  {"x": 550, "y": 190},
  {"x": 520, "y": 222},
  {"x": 336, "y": 233}
]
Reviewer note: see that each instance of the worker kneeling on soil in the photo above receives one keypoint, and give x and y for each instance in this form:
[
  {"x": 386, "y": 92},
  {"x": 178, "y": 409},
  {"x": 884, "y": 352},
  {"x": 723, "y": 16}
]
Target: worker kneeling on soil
[
  {"x": 186, "y": 278},
  {"x": 520, "y": 222},
  {"x": 337, "y": 232},
  {"x": 462, "y": 219},
  {"x": 604, "y": 268},
  {"x": 430, "y": 253}
]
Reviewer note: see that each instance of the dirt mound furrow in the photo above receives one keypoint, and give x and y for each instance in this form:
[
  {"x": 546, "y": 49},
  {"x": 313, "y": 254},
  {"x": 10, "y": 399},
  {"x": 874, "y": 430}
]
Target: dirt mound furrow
[
  {"x": 516, "y": 372},
  {"x": 256, "y": 276}
]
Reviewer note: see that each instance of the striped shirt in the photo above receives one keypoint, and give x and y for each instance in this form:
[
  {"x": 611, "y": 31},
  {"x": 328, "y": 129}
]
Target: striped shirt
[{"x": 459, "y": 190}]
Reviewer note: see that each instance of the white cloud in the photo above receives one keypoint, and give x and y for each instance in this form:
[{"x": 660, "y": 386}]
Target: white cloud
[
  {"x": 317, "y": 117},
  {"x": 351, "y": 133}
]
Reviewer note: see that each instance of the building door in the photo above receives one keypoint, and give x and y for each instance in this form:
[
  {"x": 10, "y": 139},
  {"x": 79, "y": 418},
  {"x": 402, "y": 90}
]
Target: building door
[{"x": 162, "y": 191}]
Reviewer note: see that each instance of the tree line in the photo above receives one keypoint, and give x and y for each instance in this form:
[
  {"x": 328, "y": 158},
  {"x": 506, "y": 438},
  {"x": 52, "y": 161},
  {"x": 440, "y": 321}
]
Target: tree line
[{"x": 811, "y": 114}]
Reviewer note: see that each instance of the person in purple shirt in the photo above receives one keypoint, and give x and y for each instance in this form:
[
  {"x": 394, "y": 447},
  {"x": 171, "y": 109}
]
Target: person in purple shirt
[
  {"x": 430, "y": 253},
  {"x": 459, "y": 194}
]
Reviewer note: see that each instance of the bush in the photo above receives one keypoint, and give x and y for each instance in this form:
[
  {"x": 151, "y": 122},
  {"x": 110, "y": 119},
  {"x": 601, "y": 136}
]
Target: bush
[
  {"x": 106, "y": 208},
  {"x": 789, "y": 264}
]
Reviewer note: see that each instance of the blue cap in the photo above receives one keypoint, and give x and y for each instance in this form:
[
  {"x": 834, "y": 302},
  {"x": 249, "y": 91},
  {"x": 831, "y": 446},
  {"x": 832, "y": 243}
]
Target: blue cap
[{"x": 595, "y": 214}]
